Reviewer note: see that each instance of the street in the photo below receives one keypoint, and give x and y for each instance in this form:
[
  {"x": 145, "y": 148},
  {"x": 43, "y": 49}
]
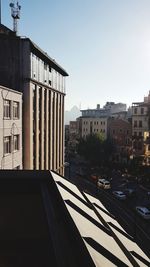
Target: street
[{"x": 123, "y": 211}]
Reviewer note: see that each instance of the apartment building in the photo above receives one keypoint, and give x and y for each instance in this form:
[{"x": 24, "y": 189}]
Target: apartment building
[
  {"x": 92, "y": 125},
  {"x": 10, "y": 129},
  {"x": 140, "y": 124},
  {"x": 120, "y": 132},
  {"x": 26, "y": 68},
  {"x": 108, "y": 109}
]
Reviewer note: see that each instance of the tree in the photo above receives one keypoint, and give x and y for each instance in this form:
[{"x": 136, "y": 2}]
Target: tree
[{"x": 95, "y": 149}]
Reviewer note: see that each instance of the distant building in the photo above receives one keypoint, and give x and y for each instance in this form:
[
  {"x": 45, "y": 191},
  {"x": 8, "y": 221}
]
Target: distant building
[
  {"x": 108, "y": 109},
  {"x": 92, "y": 125},
  {"x": 98, "y": 112},
  {"x": 115, "y": 107},
  {"x": 10, "y": 129},
  {"x": 120, "y": 132},
  {"x": 26, "y": 68},
  {"x": 141, "y": 128}
]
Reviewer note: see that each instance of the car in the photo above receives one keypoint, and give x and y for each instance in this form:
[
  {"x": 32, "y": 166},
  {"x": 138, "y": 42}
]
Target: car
[
  {"x": 103, "y": 183},
  {"x": 143, "y": 211},
  {"x": 124, "y": 175},
  {"x": 119, "y": 194}
]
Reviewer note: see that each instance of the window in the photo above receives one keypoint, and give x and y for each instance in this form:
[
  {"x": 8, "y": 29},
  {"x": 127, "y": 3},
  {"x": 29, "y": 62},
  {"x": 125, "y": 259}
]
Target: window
[
  {"x": 135, "y": 123},
  {"x": 135, "y": 110},
  {"x": 135, "y": 133},
  {"x": 16, "y": 110},
  {"x": 142, "y": 110},
  {"x": 139, "y": 146},
  {"x": 135, "y": 145},
  {"x": 7, "y": 110},
  {"x": 140, "y": 123},
  {"x": 45, "y": 66},
  {"x": 7, "y": 145},
  {"x": 16, "y": 142},
  {"x": 140, "y": 133}
]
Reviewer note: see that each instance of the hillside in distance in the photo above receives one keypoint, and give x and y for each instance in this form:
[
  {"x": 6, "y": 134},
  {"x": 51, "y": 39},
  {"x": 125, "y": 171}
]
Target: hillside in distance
[{"x": 72, "y": 114}]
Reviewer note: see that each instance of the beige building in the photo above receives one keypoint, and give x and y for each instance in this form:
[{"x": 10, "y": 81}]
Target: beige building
[
  {"x": 93, "y": 125},
  {"x": 141, "y": 128},
  {"x": 25, "y": 67},
  {"x": 10, "y": 129}
]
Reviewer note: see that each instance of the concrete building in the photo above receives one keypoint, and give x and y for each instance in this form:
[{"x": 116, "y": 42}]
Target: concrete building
[
  {"x": 140, "y": 125},
  {"x": 115, "y": 107},
  {"x": 10, "y": 129},
  {"x": 108, "y": 109},
  {"x": 98, "y": 112},
  {"x": 26, "y": 68},
  {"x": 120, "y": 132},
  {"x": 93, "y": 125}
]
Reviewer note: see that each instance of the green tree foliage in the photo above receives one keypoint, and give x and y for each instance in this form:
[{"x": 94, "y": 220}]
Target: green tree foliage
[{"x": 95, "y": 149}]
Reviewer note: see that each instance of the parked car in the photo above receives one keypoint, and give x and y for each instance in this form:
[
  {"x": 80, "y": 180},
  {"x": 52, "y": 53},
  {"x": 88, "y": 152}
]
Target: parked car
[
  {"x": 103, "y": 183},
  {"x": 143, "y": 211},
  {"x": 119, "y": 194}
]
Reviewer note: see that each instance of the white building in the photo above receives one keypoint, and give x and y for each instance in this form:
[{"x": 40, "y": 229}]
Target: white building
[{"x": 10, "y": 129}]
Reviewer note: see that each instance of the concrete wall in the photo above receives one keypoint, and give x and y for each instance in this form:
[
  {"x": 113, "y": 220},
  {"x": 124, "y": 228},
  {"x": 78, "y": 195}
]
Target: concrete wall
[
  {"x": 94, "y": 126},
  {"x": 10, "y": 127}
]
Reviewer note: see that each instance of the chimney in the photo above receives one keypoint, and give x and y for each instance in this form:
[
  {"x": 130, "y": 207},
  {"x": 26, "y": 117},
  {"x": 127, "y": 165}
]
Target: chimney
[{"x": 98, "y": 106}]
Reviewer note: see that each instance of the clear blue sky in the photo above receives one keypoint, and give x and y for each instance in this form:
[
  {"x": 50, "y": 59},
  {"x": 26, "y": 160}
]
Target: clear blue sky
[{"x": 103, "y": 44}]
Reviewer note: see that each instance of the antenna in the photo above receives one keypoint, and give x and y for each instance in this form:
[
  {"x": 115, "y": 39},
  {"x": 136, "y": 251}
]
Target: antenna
[{"x": 15, "y": 13}]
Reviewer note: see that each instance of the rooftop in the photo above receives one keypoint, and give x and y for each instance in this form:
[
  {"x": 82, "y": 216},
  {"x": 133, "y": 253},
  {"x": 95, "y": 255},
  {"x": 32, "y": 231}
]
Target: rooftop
[{"x": 47, "y": 221}]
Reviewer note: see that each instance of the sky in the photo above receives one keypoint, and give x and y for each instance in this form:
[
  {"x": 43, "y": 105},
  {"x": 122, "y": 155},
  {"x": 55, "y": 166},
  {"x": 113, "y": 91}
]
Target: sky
[{"x": 104, "y": 45}]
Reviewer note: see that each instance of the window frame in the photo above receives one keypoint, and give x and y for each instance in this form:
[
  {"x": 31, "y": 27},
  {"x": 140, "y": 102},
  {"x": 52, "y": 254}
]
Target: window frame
[
  {"x": 14, "y": 110},
  {"x": 7, "y": 109},
  {"x": 16, "y": 143},
  {"x": 7, "y": 145}
]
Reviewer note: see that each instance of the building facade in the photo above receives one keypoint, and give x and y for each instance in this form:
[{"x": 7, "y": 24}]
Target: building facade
[
  {"x": 108, "y": 109},
  {"x": 26, "y": 68},
  {"x": 120, "y": 132},
  {"x": 10, "y": 129},
  {"x": 92, "y": 125},
  {"x": 140, "y": 125}
]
